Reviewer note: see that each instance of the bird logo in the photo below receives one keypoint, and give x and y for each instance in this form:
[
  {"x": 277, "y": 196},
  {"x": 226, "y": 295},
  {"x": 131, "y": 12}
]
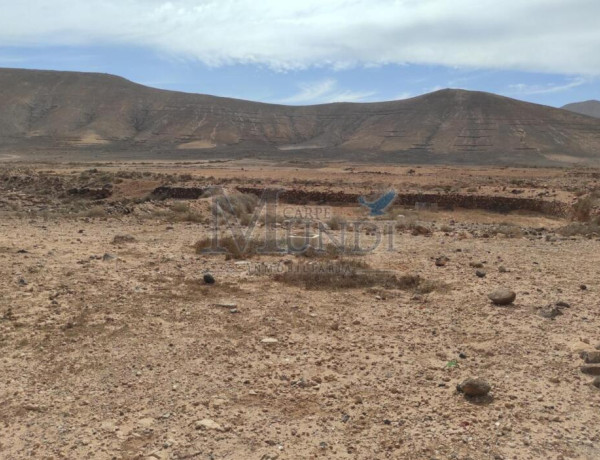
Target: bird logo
[{"x": 378, "y": 206}]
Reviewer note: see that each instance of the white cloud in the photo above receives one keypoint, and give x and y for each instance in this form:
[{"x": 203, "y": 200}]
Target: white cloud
[
  {"x": 535, "y": 35},
  {"x": 325, "y": 91},
  {"x": 522, "y": 88}
]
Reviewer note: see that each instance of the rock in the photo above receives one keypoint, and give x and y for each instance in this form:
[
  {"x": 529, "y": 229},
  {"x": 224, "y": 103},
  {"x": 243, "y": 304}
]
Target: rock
[
  {"x": 549, "y": 312},
  {"x": 476, "y": 264},
  {"x": 23, "y": 282},
  {"x": 269, "y": 340},
  {"x": 590, "y": 369},
  {"x": 597, "y": 347},
  {"x": 596, "y": 382},
  {"x": 107, "y": 257},
  {"x": 502, "y": 296},
  {"x": 562, "y": 304},
  {"x": 474, "y": 387},
  {"x": 480, "y": 273},
  {"x": 583, "y": 287},
  {"x": 208, "y": 278},
  {"x": 461, "y": 355},
  {"x": 119, "y": 239},
  {"x": 441, "y": 261},
  {"x": 591, "y": 357},
  {"x": 502, "y": 269},
  {"x": 208, "y": 424}
]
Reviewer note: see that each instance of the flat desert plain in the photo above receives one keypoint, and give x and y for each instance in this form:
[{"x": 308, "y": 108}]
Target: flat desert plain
[{"x": 116, "y": 344}]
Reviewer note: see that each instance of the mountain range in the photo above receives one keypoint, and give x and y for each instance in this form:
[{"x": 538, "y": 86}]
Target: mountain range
[{"x": 78, "y": 115}]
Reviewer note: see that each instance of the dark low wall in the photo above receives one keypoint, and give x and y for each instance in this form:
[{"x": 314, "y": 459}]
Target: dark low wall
[{"x": 445, "y": 201}]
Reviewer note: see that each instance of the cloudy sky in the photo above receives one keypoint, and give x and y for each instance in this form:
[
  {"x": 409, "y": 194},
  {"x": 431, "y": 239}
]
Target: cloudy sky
[{"x": 316, "y": 51}]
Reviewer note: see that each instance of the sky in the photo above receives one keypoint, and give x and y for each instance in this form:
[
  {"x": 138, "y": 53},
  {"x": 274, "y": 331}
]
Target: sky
[{"x": 312, "y": 52}]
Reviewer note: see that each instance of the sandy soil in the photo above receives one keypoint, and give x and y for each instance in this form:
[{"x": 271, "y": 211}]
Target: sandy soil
[{"x": 135, "y": 357}]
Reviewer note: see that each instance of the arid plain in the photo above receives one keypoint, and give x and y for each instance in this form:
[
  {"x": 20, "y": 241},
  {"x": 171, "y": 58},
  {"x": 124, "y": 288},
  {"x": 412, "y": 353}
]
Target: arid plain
[{"x": 116, "y": 344}]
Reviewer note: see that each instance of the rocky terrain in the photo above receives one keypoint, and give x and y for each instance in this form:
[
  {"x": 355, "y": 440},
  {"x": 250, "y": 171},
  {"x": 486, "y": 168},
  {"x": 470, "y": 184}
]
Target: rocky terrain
[
  {"x": 475, "y": 336},
  {"x": 74, "y": 116}
]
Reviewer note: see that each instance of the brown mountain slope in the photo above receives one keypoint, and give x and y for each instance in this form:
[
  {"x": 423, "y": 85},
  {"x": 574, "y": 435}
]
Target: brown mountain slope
[
  {"x": 83, "y": 111},
  {"x": 591, "y": 108}
]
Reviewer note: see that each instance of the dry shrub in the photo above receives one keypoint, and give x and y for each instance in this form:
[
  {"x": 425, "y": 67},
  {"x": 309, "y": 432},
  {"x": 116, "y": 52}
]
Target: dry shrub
[
  {"x": 508, "y": 230},
  {"x": 242, "y": 205},
  {"x": 350, "y": 274},
  {"x": 582, "y": 209},
  {"x": 591, "y": 228},
  {"x": 96, "y": 211},
  {"x": 336, "y": 223},
  {"x": 245, "y": 250}
]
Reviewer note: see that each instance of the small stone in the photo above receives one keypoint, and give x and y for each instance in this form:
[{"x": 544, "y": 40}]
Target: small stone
[
  {"x": 119, "y": 239},
  {"x": 591, "y": 357},
  {"x": 590, "y": 369},
  {"x": 480, "y": 273},
  {"x": 549, "y": 312},
  {"x": 583, "y": 287},
  {"x": 562, "y": 304},
  {"x": 441, "y": 261},
  {"x": 208, "y": 278},
  {"x": 269, "y": 340},
  {"x": 23, "y": 282},
  {"x": 502, "y": 296},
  {"x": 208, "y": 424},
  {"x": 461, "y": 355},
  {"x": 107, "y": 257},
  {"x": 502, "y": 269},
  {"x": 596, "y": 382},
  {"x": 474, "y": 387}
]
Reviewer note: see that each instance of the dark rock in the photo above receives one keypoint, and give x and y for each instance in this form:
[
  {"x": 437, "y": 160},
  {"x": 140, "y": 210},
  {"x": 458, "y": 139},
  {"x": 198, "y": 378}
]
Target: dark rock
[
  {"x": 119, "y": 239},
  {"x": 23, "y": 282},
  {"x": 474, "y": 387},
  {"x": 591, "y": 357},
  {"x": 461, "y": 355},
  {"x": 583, "y": 287},
  {"x": 209, "y": 279},
  {"x": 480, "y": 273},
  {"x": 502, "y": 269},
  {"x": 502, "y": 296},
  {"x": 561, "y": 304},
  {"x": 441, "y": 261},
  {"x": 596, "y": 382},
  {"x": 590, "y": 369},
  {"x": 107, "y": 257},
  {"x": 550, "y": 312}
]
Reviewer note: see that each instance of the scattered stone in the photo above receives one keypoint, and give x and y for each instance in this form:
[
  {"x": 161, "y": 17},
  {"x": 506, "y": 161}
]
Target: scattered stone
[
  {"x": 583, "y": 287},
  {"x": 208, "y": 424},
  {"x": 502, "y": 269},
  {"x": 474, "y": 387},
  {"x": 480, "y": 273},
  {"x": 476, "y": 264},
  {"x": 441, "y": 261},
  {"x": 461, "y": 355},
  {"x": 597, "y": 347},
  {"x": 269, "y": 340},
  {"x": 596, "y": 382},
  {"x": 208, "y": 278},
  {"x": 590, "y": 369},
  {"x": 549, "y": 312},
  {"x": 23, "y": 282},
  {"x": 120, "y": 239},
  {"x": 106, "y": 257},
  {"x": 502, "y": 296},
  {"x": 562, "y": 304},
  {"x": 22, "y": 251},
  {"x": 591, "y": 357}
]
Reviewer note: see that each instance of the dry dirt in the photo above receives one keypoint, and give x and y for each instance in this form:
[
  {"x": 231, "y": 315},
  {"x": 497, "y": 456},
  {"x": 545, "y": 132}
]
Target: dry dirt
[{"x": 136, "y": 357}]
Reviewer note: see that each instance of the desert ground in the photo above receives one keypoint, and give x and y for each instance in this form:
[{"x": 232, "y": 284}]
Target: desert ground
[{"x": 115, "y": 344}]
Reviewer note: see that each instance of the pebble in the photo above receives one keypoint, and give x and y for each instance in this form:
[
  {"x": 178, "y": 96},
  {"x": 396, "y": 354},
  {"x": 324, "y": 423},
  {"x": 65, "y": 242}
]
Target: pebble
[
  {"x": 549, "y": 312},
  {"x": 596, "y": 382},
  {"x": 269, "y": 340},
  {"x": 208, "y": 278},
  {"x": 474, "y": 387},
  {"x": 208, "y": 424},
  {"x": 502, "y": 296}
]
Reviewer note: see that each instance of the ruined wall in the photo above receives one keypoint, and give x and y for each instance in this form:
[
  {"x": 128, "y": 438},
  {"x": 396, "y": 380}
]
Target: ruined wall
[{"x": 444, "y": 201}]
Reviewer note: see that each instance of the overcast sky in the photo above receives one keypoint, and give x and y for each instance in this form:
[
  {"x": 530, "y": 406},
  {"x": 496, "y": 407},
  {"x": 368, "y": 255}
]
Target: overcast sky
[{"x": 306, "y": 52}]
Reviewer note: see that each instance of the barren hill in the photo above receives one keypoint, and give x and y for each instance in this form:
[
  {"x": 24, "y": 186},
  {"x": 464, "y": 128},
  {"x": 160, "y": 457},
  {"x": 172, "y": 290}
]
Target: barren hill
[
  {"x": 78, "y": 113},
  {"x": 591, "y": 108}
]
